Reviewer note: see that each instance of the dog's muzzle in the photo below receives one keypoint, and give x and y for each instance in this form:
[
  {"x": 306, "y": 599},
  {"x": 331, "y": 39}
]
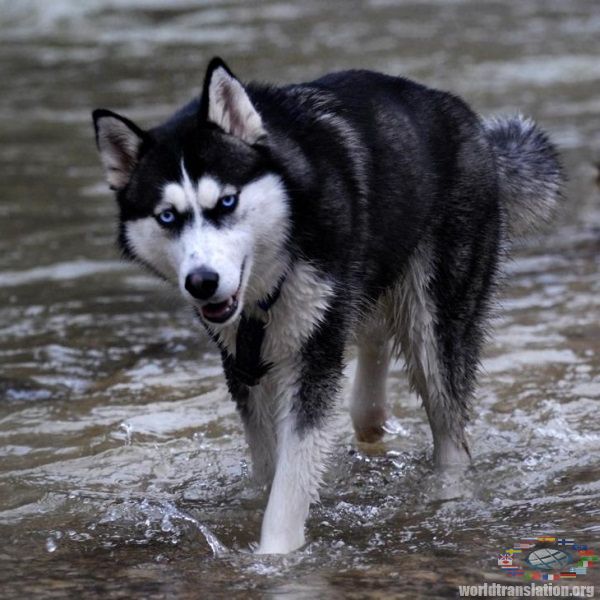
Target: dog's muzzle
[{"x": 202, "y": 284}]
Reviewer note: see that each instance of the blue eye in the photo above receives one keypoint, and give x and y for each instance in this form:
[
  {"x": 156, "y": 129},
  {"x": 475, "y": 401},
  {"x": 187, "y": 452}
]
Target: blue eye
[
  {"x": 167, "y": 217},
  {"x": 227, "y": 203}
]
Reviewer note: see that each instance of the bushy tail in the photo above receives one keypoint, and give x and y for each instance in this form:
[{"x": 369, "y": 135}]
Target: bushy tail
[{"x": 531, "y": 177}]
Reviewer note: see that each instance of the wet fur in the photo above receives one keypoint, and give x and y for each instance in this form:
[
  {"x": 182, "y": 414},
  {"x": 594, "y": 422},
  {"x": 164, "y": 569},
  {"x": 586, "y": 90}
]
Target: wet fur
[{"x": 399, "y": 204}]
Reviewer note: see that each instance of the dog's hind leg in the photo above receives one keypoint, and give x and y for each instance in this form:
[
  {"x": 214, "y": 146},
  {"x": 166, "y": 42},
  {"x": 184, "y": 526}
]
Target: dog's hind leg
[
  {"x": 441, "y": 311},
  {"x": 440, "y": 350},
  {"x": 368, "y": 404}
]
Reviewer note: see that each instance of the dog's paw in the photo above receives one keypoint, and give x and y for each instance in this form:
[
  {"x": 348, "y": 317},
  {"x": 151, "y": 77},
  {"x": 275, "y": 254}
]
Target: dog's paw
[
  {"x": 370, "y": 434},
  {"x": 369, "y": 425},
  {"x": 280, "y": 545}
]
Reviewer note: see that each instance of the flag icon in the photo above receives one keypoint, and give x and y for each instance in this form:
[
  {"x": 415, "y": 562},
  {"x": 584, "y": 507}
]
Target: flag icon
[
  {"x": 505, "y": 561},
  {"x": 535, "y": 575}
]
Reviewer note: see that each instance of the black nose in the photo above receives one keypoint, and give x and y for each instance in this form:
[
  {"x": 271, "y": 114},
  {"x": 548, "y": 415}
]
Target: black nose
[{"x": 202, "y": 283}]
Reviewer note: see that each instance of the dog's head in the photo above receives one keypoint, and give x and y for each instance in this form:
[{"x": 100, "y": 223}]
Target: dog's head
[{"x": 201, "y": 204}]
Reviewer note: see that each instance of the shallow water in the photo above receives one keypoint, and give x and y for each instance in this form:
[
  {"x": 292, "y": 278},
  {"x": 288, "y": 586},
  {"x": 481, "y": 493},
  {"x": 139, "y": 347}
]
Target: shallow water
[{"x": 122, "y": 463}]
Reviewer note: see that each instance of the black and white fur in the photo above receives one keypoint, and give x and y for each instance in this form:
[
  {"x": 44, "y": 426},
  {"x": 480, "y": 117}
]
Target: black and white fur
[{"x": 371, "y": 208}]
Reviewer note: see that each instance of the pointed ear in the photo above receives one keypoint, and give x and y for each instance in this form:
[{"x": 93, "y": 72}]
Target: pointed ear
[
  {"x": 119, "y": 141},
  {"x": 226, "y": 104}
]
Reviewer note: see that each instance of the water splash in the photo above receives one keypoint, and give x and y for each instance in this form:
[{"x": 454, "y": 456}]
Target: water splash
[
  {"x": 128, "y": 429},
  {"x": 153, "y": 516}
]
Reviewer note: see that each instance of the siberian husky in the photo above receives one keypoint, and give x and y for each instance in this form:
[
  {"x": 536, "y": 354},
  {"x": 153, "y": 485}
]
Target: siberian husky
[{"x": 295, "y": 219}]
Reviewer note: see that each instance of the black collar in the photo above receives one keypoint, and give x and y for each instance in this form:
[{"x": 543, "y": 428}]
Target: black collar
[{"x": 267, "y": 303}]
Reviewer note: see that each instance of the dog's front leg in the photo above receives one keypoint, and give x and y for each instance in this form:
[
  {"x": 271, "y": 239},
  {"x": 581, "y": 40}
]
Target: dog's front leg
[
  {"x": 300, "y": 460},
  {"x": 259, "y": 426},
  {"x": 303, "y": 440}
]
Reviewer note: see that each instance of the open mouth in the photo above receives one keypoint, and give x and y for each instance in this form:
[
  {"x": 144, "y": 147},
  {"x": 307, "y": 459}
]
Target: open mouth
[{"x": 219, "y": 312}]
